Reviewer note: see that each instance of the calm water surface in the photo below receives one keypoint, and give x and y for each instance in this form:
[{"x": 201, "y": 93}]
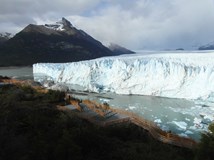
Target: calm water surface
[{"x": 17, "y": 72}]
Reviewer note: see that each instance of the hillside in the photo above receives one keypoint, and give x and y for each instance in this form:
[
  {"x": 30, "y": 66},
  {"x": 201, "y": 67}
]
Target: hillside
[
  {"x": 59, "y": 42},
  {"x": 33, "y": 128},
  {"x": 4, "y": 37}
]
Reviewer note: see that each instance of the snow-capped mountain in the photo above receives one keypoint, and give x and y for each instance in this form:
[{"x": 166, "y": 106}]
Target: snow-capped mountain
[
  {"x": 5, "y": 36},
  {"x": 61, "y": 25},
  {"x": 209, "y": 46},
  {"x": 175, "y": 75},
  {"x": 59, "y": 42}
]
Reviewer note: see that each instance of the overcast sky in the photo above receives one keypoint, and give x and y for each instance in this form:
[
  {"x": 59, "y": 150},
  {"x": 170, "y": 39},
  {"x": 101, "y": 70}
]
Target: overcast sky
[{"x": 136, "y": 24}]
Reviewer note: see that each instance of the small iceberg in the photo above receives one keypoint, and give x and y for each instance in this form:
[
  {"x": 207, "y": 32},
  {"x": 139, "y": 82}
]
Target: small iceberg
[{"x": 182, "y": 125}]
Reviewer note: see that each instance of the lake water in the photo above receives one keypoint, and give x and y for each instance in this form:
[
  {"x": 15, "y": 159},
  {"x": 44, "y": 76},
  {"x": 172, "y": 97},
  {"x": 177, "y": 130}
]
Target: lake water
[
  {"x": 17, "y": 72},
  {"x": 179, "y": 116},
  {"x": 183, "y": 117}
]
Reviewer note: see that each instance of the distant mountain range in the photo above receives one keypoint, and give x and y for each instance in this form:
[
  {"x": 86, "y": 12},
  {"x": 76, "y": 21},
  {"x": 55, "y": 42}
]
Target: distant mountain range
[
  {"x": 118, "y": 50},
  {"x": 209, "y": 46},
  {"x": 59, "y": 42},
  {"x": 4, "y": 37}
]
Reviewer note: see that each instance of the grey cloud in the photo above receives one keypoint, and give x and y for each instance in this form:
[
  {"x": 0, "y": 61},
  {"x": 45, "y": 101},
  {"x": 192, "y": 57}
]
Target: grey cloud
[
  {"x": 164, "y": 24},
  {"x": 137, "y": 24},
  {"x": 45, "y": 6},
  {"x": 23, "y": 12}
]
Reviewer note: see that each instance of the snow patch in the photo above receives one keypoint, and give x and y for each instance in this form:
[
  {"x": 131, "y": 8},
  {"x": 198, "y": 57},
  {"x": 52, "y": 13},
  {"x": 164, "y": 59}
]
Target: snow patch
[{"x": 60, "y": 25}]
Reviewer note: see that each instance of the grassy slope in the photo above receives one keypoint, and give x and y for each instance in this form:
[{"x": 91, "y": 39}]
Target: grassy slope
[{"x": 31, "y": 127}]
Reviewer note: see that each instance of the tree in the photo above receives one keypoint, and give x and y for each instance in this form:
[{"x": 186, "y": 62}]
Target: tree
[{"x": 205, "y": 150}]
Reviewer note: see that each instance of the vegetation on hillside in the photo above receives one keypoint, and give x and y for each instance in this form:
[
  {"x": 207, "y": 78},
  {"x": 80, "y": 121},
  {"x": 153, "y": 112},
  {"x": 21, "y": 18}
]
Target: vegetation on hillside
[
  {"x": 31, "y": 127},
  {"x": 205, "y": 150}
]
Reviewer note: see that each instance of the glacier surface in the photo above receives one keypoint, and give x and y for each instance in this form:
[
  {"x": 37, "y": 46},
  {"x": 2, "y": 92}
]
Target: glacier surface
[{"x": 175, "y": 75}]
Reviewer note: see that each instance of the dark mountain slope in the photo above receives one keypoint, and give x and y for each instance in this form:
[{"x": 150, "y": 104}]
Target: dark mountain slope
[
  {"x": 207, "y": 47},
  {"x": 118, "y": 50},
  {"x": 4, "y": 37},
  {"x": 60, "y": 42}
]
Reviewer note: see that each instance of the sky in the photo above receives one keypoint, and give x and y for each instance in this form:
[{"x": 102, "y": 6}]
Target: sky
[{"x": 135, "y": 24}]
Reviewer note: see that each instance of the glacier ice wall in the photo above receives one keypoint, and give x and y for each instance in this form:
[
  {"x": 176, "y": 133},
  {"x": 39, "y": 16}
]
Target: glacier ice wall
[{"x": 175, "y": 75}]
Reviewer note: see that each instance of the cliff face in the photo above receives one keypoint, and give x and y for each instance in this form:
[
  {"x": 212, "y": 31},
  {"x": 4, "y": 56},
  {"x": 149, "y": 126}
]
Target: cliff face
[{"x": 174, "y": 75}]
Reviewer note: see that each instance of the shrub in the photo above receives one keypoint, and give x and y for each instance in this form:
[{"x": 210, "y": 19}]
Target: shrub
[
  {"x": 205, "y": 150},
  {"x": 36, "y": 129}
]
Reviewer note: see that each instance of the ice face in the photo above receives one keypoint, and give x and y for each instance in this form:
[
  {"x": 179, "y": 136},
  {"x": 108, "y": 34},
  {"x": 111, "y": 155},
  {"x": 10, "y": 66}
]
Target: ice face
[{"x": 175, "y": 75}]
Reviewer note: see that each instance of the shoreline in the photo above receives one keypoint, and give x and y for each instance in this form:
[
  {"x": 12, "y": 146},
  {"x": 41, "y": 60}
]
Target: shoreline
[
  {"x": 99, "y": 115},
  {"x": 14, "y": 67},
  {"x": 153, "y": 129},
  {"x": 30, "y": 82}
]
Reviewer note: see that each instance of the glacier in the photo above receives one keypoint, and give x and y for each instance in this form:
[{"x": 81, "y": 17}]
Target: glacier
[{"x": 188, "y": 75}]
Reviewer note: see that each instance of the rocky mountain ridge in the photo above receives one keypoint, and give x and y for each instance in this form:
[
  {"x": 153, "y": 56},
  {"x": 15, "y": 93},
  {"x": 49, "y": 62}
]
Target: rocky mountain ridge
[
  {"x": 5, "y": 36},
  {"x": 58, "y": 42},
  {"x": 209, "y": 46}
]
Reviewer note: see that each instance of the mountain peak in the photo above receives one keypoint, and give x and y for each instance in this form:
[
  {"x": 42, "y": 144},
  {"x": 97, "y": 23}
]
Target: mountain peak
[
  {"x": 6, "y": 35},
  {"x": 57, "y": 42},
  {"x": 61, "y": 25},
  {"x": 65, "y": 22}
]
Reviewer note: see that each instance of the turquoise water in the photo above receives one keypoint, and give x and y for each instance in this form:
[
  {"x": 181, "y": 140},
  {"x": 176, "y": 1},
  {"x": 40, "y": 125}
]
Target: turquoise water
[
  {"x": 163, "y": 111},
  {"x": 176, "y": 115}
]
